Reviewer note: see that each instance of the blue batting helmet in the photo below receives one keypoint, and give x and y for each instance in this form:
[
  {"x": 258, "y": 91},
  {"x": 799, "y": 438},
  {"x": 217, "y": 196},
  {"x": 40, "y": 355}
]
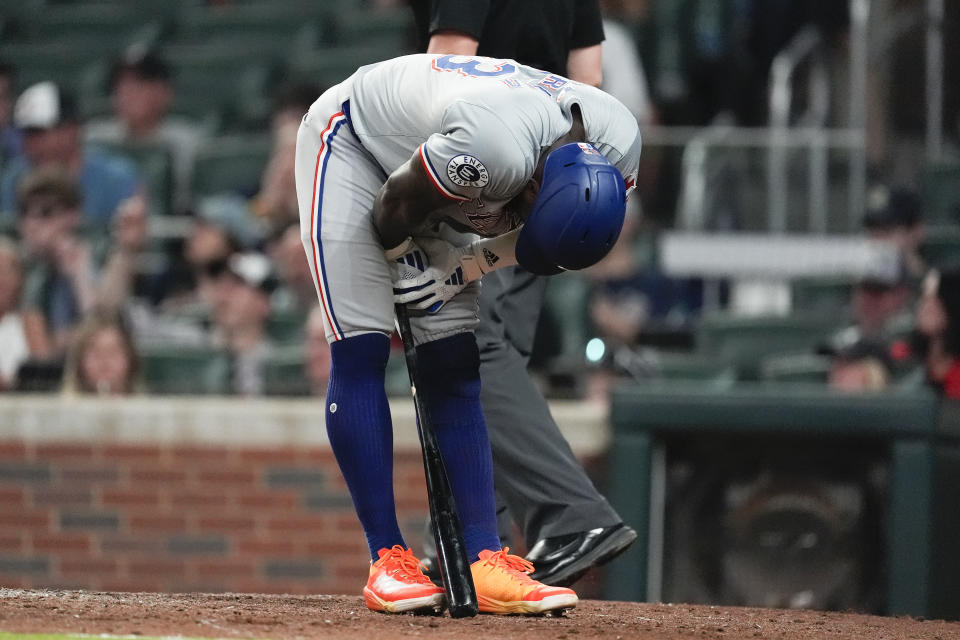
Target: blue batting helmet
[{"x": 578, "y": 213}]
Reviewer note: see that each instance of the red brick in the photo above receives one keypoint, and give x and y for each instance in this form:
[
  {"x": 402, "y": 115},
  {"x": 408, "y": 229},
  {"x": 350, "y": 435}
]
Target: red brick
[
  {"x": 344, "y": 545},
  {"x": 227, "y": 477},
  {"x": 13, "y": 450},
  {"x": 11, "y": 543},
  {"x": 87, "y": 566},
  {"x": 226, "y": 523},
  {"x": 273, "y": 546},
  {"x": 116, "y": 545},
  {"x": 27, "y": 518},
  {"x": 282, "y": 499},
  {"x": 12, "y": 497},
  {"x": 70, "y": 497},
  {"x": 225, "y": 569},
  {"x": 157, "y": 475},
  {"x": 60, "y": 542},
  {"x": 256, "y": 457},
  {"x": 197, "y": 454},
  {"x": 320, "y": 457},
  {"x": 195, "y": 499},
  {"x": 153, "y": 524},
  {"x": 129, "y": 498},
  {"x": 83, "y": 475},
  {"x": 352, "y": 574},
  {"x": 136, "y": 584},
  {"x": 65, "y": 451},
  {"x": 298, "y": 524},
  {"x": 139, "y": 569},
  {"x": 128, "y": 452}
]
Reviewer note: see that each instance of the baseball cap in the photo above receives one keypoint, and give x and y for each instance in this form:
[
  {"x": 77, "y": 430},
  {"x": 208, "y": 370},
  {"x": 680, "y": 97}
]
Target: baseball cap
[
  {"x": 890, "y": 207},
  {"x": 851, "y": 345},
  {"x": 43, "y": 106},
  {"x": 142, "y": 62},
  {"x": 254, "y": 269}
]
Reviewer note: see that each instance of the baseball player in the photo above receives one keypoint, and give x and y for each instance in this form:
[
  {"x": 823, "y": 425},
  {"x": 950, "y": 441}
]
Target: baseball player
[{"x": 416, "y": 176}]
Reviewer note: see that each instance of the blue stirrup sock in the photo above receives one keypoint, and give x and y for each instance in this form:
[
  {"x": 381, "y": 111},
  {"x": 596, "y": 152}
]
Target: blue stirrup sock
[
  {"x": 361, "y": 434},
  {"x": 450, "y": 383}
]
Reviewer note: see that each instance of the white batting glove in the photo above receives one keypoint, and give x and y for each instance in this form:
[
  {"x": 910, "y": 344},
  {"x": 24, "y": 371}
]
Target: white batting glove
[
  {"x": 450, "y": 270},
  {"x": 407, "y": 263}
]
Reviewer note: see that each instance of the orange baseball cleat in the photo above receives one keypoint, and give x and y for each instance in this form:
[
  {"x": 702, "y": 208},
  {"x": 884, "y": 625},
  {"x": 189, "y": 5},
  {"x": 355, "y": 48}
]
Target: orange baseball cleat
[
  {"x": 397, "y": 584},
  {"x": 504, "y": 586}
]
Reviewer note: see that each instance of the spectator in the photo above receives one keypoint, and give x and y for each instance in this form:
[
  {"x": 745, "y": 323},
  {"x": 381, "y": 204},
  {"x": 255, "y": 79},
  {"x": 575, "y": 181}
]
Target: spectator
[
  {"x": 65, "y": 278},
  {"x": 938, "y": 322},
  {"x": 240, "y": 295},
  {"x": 881, "y": 302},
  {"x": 295, "y": 292},
  {"x": 11, "y": 140},
  {"x": 51, "y": 128},
  {"x": 277, "y": 200},
  {"x": 142, "y": 91},
  {"x": 858, "y": 364},
  {"x": 896, "y": 216},
  {"x": 318, "y": 352},
  {"x": 102, "y": 359},
  {"x": 23, "y": 334}
]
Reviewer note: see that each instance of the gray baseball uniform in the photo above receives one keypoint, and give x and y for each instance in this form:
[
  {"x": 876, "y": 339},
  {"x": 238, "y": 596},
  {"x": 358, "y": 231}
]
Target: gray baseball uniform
[{"x": 477, "y": 124}]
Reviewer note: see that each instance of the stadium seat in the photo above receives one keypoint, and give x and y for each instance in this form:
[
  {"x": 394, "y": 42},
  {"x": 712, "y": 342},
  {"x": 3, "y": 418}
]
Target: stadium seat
[
  {"x": 327, "y": 67},
  {"x": 155, "y": 167},
  {"x": 286, "y": 25},
  {"x": 941, "y": 193},
  {"x": 941, "y": 247},
  {"x": 566, "y": 302},
  {"x": 231, "y": 164},
  {"x": 389, "y": 28},
  {"x": 818, "y": 296},
  {"x": 795, "y": 367},
  {"x": 110, "y": 22},
  {"x": 286, "y": 328},
  {"x": 182, "y": 370},
  {"x": 284, "y": 373},
  {"x": 743, "y": 341}
]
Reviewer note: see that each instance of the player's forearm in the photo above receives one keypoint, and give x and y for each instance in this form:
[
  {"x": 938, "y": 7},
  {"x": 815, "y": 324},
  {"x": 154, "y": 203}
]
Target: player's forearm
[{"x": 490, "y": 254}]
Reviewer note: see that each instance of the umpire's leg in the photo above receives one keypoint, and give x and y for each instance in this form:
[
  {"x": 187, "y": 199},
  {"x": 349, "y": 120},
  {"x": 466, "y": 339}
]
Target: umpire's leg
[{"x": 535, "y": 473}]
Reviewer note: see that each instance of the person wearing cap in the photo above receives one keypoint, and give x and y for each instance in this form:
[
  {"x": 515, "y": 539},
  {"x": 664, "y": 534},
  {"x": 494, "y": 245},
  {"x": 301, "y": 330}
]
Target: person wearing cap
[
  {"x": 52, "y": 137},
  {"x": 68, "y": 275},
  {"x": 857, "y": 363},
  {"x": 142, "y": 91},
  {"x": 241, "y": 287},
  {"x": 895, "y": 214}
]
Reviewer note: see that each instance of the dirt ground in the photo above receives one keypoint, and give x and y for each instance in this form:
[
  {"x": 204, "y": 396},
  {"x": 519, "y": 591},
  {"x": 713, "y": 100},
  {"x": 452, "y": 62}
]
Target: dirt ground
[{"x": 335, "y": 617}]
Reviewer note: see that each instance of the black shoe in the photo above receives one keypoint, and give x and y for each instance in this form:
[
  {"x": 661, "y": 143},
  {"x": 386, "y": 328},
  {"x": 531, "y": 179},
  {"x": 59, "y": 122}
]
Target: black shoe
[
  {"x": 431, "y": 569},
  {"x": 562, "y": 560}
]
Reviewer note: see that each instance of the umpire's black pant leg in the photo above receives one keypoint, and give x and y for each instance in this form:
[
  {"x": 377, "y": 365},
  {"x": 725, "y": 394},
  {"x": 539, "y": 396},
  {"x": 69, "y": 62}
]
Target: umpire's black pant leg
[{"x": 536, "y": 474}]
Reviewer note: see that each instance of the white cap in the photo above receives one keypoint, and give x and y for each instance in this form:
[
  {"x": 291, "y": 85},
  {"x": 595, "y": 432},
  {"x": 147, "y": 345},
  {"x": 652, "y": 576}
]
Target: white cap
[{"x": 38, "y": 107}]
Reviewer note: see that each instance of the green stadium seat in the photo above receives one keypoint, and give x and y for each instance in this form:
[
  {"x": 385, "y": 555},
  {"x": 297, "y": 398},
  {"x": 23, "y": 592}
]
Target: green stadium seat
[
  {"x": 819, "y": 296},
  {"x": 390, "y": 28},
  {"x": 941, "y": 193},
  {"x": 185, "y": 371},
  {"x": 566, "y": 301},
  {"x": 795, "y": 367},
  {"x": 744, "y": 341},
  {"x": 66, "y": 61},
  {"x": 285, "y": 24},
  {"x": 287, "y": 327},
  {"x": 114, "y": 22},
  {"x": 285, "y": 374},
  {"x": 155, "y": 167},
  {"x": 327, "y": 67},
  {"x": 941, "y": 247},
  {"x": 231, "y": 164}
]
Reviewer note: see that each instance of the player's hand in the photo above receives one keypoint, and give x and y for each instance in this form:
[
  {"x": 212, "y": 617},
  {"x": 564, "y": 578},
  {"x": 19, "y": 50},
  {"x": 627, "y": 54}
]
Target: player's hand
[
  {"x": 407, "y": 262},
  {"x": 445, "y": 277}
]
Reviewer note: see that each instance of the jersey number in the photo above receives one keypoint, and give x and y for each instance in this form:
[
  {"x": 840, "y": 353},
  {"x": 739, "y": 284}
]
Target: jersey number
[{"x": 473, "y": 66}]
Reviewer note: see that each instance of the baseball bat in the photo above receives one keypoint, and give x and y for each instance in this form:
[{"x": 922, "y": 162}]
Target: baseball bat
[{"x": 447, "y": 532}]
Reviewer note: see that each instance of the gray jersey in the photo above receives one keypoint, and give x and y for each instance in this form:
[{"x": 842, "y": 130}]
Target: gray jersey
[{"x": 479, "y": 126}]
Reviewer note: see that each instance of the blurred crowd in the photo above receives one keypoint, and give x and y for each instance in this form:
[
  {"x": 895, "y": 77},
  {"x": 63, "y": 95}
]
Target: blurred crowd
[{"x": 98, "y": 297}]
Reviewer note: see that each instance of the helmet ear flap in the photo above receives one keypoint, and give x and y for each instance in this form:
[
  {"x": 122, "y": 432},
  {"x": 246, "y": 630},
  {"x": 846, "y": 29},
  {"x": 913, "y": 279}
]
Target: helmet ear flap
[{"x": 578, "y": 213}]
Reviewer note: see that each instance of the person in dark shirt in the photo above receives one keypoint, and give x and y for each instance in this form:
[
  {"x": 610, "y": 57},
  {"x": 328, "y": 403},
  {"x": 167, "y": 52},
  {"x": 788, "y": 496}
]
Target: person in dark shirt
[{"x": 569, "y": 527}]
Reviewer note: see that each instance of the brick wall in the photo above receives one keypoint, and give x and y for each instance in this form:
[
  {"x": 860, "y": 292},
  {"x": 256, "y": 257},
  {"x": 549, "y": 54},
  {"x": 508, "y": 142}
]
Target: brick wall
[{"x": 145, "y": 504}]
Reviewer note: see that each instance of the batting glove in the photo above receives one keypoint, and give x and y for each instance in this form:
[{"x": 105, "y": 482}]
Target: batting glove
[{"x": 407, "y": 263}]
